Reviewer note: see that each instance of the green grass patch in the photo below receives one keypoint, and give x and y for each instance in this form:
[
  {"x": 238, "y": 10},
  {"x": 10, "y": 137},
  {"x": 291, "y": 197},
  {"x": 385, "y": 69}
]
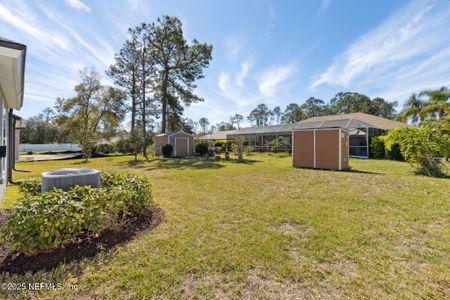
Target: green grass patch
[{"x": 263, "y": 229}]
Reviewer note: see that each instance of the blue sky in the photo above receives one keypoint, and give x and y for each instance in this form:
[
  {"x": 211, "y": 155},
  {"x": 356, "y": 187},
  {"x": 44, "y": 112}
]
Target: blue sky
[{"x": 272, "y": 52}]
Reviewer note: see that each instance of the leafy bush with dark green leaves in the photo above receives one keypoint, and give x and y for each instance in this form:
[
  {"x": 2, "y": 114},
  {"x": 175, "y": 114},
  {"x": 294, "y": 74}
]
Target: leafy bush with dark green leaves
[
  {"x": 123, "y": 146},
  {"x": 201, "y": 149},
  {"x": 377, "y": 149},
  {"x": 421, "y": 147},
  {"x": 167, "y": 150},
  {"x": 31, "y": 187},
  {"x": 48, "y": 220},
  {"x": 394, "y": 153},
  {"x": 104, "y": 148}
]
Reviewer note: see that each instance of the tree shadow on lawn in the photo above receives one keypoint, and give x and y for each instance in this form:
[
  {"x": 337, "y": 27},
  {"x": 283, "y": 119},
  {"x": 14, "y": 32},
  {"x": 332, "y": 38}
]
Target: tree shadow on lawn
[
  {"x": 181, "y": 163},
  {"x": 13, "y": 262}
]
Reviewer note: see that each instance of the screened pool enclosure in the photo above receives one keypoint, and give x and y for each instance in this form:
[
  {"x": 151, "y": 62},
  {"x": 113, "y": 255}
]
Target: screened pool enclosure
[{"x": 362, "y": 127}]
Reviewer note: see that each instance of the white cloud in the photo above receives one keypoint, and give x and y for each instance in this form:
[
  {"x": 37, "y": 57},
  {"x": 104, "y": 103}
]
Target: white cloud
[
  {"x": 234, "y": 45},
  {"x": 273, "y": 80},
  {"x": 233, "y": 92},
  {"x": 408, "y": 49},
  {"x": 99, "y": 50},
  {"x": 245, "y": 68},
  {"x": 271, "y": 86},
  {"x": 78, "y": 4},
  {"x": 44, "y": 36}
]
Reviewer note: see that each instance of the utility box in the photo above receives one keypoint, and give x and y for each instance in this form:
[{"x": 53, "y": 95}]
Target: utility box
[{"x": 325, "y": 148}]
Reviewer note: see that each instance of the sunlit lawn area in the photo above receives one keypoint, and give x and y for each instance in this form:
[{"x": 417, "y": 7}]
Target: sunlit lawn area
[{"x": 266, "y": 230}]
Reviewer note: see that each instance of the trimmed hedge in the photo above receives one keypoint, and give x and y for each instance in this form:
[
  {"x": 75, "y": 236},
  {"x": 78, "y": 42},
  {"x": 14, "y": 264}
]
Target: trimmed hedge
[{"x": 48, "y": 220}]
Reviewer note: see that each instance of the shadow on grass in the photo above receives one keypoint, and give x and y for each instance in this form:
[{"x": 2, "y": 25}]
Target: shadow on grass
[
  {"x": 18, "y": 263},
  {"x": 361, "y": 172},
  {"x": 82, "y": 162},
  {"x": 181, "y": 163},
  {"x": 344, "y": 171}
]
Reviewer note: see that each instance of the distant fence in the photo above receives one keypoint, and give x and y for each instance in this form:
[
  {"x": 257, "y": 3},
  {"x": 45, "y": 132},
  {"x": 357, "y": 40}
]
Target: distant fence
[{"x": 49, "y": 147}]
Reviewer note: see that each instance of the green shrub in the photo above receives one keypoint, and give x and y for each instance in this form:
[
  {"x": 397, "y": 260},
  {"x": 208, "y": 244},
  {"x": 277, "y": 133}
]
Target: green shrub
[
  {"x": 135, "y": 189},
  {"x": 167, "y": 150},
  {"x": 420, "y": 147},
  {"x": 278, "y": 145},
  {"x": 31, "y": 187},
  {"x": 104, "y": 148},
  {"x": 123, "y": 146},
  {"x": 48, "y": 220},
  {"x": 201, "y": 149},
  {"x": 394, "y": 153},
  {"x": 440, "y": 127},
  {"x": 377, "y": 149}
]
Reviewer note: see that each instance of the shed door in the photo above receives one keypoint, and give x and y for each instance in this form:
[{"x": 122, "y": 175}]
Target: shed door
[
  {"x": 327, "y": 149},
  {"x": 181, "y": 147},
  {"x": 303, "y": 151}
]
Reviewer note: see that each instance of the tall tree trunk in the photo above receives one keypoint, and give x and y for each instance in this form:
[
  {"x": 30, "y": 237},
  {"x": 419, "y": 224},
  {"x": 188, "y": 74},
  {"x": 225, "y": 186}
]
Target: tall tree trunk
[
  {"x": 144, "y": 131},
  {"x": 164, "y": 102},
  {"x": 133, "y": 101}
]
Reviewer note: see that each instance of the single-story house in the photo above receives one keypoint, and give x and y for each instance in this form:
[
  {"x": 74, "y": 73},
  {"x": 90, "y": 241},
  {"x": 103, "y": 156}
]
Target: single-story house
[
  {"x": 182, "y": 142},
  {"x": 361, "y": 127},
  {"x": 12, "y": 78}
]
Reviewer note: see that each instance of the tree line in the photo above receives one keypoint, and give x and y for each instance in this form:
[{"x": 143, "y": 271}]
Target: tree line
[
  {"x": 421, "y": 106},
  {"x": 155, "y": 72},
  {"x": 341, "y": 103}
]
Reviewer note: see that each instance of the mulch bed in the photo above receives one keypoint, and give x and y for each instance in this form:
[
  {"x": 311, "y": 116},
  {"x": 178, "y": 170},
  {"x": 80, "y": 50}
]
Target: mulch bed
[{"x": 15, "y": 262}]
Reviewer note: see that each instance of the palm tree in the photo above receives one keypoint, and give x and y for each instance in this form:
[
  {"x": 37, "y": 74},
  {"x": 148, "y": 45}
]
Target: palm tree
[
  {"x": 413, "y": 109},
  {"x": 438, "y": 104}
]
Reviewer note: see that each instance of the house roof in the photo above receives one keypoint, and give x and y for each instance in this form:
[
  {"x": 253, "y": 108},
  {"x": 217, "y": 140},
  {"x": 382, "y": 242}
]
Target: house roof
[
  {"x": 353, "y": 120},
  {"x": 348, "y": 121},
  {"x": 12, "y": 72},
  {"x": 170, "y": 133},
  {"x": 217, "y": 135}
]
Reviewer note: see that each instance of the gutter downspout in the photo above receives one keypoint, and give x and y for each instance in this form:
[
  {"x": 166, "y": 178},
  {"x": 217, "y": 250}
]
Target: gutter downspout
[
  {"x": 11, "y": 146},
  {"x": 9, "y": 152}
]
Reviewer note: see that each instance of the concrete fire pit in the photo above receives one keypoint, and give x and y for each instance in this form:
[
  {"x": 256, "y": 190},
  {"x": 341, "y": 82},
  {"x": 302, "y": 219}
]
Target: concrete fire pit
[{"x": 68, "y": 178}]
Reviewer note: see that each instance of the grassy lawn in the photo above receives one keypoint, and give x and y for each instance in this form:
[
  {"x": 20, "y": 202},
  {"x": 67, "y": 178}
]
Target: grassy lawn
[{"x": 266, "y": 230}]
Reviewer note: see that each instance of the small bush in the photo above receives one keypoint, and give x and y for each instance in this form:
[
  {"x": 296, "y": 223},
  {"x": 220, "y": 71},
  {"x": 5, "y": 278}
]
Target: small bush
[
  {"x": 104, "y": 148},
  {"x": 201, "y": 149},
  {"x": 377, "y": 149},
  {"x": 278, "y": 145},
  {"x": 48, "y": 220},
  {"x": 420, "y": 146},
  {"x": 31, "y": 187},
  {"x": 123, "y": 146},
  {"x": 394, "y": 153},
  {"x": 167, "y": 150}
]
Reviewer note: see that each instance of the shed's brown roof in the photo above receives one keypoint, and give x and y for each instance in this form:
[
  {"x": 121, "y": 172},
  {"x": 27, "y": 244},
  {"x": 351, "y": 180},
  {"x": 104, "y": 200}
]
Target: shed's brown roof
[
  {"x": 170, "y": 133},
  {"x": 376, "y": 122}
]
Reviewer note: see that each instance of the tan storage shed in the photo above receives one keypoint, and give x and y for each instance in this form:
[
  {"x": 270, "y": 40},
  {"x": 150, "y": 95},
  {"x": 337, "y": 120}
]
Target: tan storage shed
[
  {"x": 182, "y": 142},
  {"x": 325, "y": 148}
]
